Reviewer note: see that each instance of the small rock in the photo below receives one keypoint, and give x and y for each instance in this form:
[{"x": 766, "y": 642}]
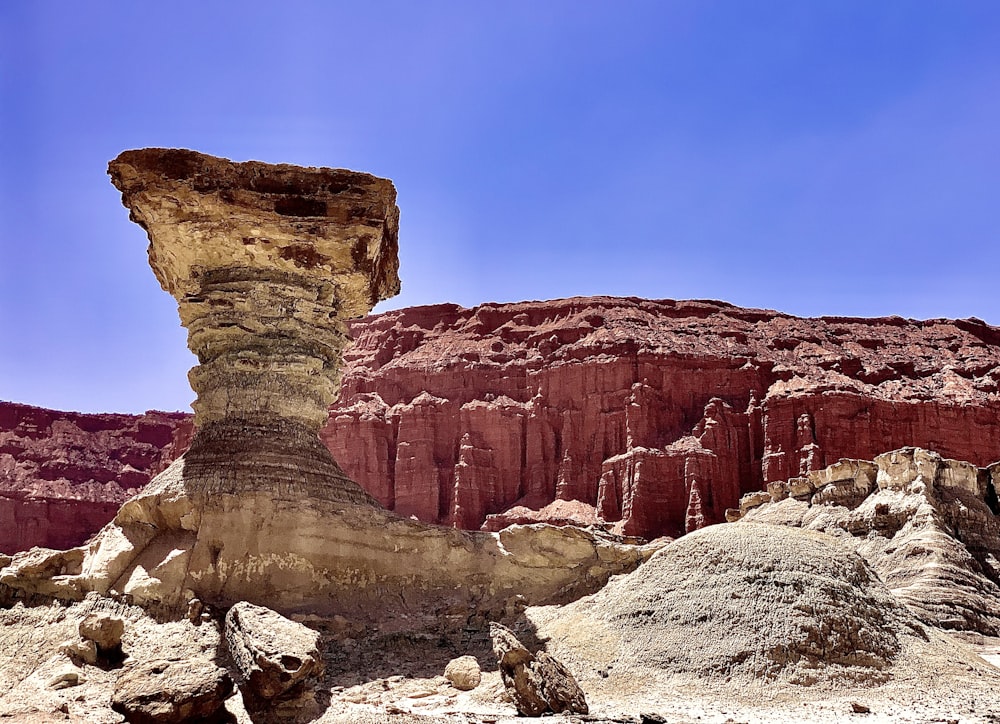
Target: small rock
[
  {"x": 194, "y": 611},
  {"x": 858, "y": 708},
  {"x": 104, "y": 630},
  {"x": 81, "y": 651},
  {"x": 66, "y": 679},
  {"x": 463, "y": 673},
  {"x": 164, "y": 691},
  {"x": 537, "y": 683},
  {"x": 272, "y": 653},
  {"x": 650, "y": 718}
]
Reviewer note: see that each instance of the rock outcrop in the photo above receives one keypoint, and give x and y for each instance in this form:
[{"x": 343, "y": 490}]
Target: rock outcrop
[
  {"x": 746, "y": 607},
  {"x": 658, "y": 415},
  {"x": 63, "y": 475},
  {"x": 257, "y": 510},
  {"x": 928, "y": 525}
]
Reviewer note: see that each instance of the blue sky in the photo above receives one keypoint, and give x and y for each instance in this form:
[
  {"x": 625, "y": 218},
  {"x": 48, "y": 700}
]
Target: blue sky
[{"x": 812, "y": 157}]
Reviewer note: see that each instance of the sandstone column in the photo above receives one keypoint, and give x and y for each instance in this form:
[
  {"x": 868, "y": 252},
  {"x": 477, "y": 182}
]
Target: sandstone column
[{"x": 267, "y": 264}]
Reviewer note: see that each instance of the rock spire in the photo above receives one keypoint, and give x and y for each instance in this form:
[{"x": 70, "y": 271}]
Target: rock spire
[{"x": 267, "y": 264}]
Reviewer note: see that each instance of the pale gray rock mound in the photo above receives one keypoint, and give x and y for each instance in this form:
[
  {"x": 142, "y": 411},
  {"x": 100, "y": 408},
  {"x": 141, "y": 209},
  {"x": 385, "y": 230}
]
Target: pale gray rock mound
[
  {"x": 738, "y": 605},
  {"x": 927, "y": 525},
  {"x": 537, "y": 683},
  {"x": 272, "y": 653}
]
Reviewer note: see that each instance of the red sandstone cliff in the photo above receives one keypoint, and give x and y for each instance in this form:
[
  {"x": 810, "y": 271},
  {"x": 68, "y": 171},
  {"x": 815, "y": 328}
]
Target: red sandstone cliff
[
  {"x": 63, "y": 475},
  {"x": 659, "y": 414}
]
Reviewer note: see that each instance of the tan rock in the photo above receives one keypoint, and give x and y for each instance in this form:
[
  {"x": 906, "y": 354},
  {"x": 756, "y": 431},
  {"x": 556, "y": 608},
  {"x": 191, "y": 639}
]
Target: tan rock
[
  {"x": 753, "y": 500},
  {"x": 273, "y": 654},
  {"x": 104, "y": 630},
  {"x": 463, "y": 673},
  {"x": 168, "y": 691},
  {"x": 81, "y": 651},
  {"x": 267, "y": 263},
  {"x": 537, "y": 683}
]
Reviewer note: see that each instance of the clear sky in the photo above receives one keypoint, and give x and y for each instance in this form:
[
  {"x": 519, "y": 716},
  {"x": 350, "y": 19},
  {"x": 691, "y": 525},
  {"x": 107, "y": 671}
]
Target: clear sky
[{"x": 808, "y": 156}]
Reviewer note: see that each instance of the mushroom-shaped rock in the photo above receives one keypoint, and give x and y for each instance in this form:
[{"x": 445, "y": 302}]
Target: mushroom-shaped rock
[
  {"x": 267, "y": 263},
  {"x": 272, "y": 653}
]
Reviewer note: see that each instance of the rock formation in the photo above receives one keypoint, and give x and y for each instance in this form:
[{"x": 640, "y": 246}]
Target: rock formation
[
  {"x": 267, "y": 263},
  {"x": 254, "y": 558},
  {"x": 744, "y": 608},
  {"x": 926, "y": 524},
  {"x": 653, "y": 415},
  {"x": 63, "y": 475}
]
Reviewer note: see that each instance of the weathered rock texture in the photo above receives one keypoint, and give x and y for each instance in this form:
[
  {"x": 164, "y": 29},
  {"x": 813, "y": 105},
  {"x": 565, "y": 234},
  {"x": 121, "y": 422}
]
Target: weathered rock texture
[
  {"x": 537, "y": 683},
  {"x": 657, "y": 414},
  {"x": 926, "y": 524},
  {"x": 745, "y": 605},
  {"x": 267, "y": 263},
  {"x": 272, "y": 653},
  {"x": 660, "y": 414},
  {"x": 297, "y": 554},
  {"x": 63, "y": 475}
]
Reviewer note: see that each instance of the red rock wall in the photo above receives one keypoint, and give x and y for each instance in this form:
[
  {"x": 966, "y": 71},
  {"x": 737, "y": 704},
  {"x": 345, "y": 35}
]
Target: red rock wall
[
  {"x": 63, "y": 475},
  {"x": 659, "y": 414}
]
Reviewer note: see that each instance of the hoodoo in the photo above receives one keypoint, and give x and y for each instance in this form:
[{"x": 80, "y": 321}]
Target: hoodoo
[{"x": 267, "y": 264}]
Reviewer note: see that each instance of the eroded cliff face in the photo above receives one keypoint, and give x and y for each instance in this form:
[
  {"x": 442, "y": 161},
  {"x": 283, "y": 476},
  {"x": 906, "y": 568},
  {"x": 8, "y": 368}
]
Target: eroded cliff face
[
  {"x": 65, "y": 474},
  {"x": 656, "y": 415}
]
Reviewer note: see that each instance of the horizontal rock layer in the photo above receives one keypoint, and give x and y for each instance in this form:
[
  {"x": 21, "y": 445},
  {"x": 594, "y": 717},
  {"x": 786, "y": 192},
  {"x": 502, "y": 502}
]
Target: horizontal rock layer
[
  {"x": 927, "y": 525},
  {"x": 655, "y": 415},
  {"x": 65, "y": 474}
]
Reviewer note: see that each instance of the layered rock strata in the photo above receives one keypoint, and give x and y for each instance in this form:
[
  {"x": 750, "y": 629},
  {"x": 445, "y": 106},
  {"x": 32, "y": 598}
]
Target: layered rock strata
[
  {"x": 928, "y": 525},
  {"x": 654, "y": 415},
  {"x": 63, "y": 475},
  {"x": 257, "y": 510},
  {"x": 267, "y": 263}
]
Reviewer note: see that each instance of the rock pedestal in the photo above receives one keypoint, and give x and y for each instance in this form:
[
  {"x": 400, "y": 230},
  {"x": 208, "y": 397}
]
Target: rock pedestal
[{"x": 267, "y": 264}]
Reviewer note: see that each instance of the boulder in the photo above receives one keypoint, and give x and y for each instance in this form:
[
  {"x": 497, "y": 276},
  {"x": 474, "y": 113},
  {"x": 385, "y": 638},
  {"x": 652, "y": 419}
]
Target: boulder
[
  {"x": 463, "y": 673},
  {"x": 167, "y": 691},
  {"x": 537, "y": 683},
  {"x": 271, "y": 652},
  {"x": 105, "y": 631}
]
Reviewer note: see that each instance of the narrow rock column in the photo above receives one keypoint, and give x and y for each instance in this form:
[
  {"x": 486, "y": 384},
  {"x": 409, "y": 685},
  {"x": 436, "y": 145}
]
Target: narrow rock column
[{"x": 267, "y": 264}]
